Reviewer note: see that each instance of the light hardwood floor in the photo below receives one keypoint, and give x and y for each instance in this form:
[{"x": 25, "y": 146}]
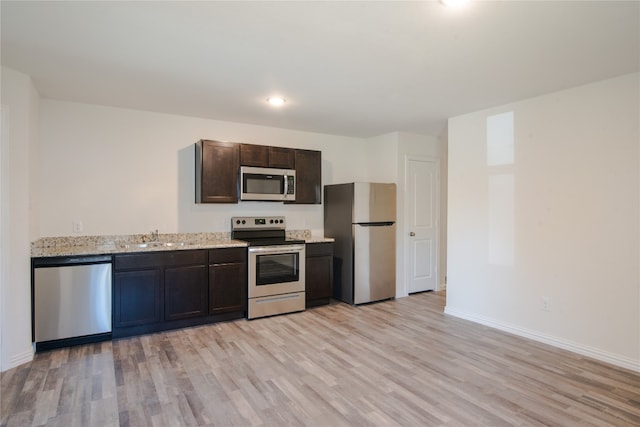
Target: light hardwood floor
[{"x": 399, "y": 362}]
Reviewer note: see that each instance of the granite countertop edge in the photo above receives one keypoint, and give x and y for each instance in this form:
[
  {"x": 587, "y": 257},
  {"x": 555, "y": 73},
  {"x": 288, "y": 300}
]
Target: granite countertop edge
[
  {"x": 319, "y": 240},
  {"x": 112, "y": 245}
]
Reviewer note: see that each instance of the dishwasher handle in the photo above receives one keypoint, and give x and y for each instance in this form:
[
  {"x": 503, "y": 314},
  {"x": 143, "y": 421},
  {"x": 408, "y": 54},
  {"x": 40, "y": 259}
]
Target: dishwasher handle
[{"x": 60, "y": 261}]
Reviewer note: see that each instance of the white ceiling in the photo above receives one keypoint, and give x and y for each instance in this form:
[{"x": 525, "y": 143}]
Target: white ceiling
[{"x": 360, "y": 68}]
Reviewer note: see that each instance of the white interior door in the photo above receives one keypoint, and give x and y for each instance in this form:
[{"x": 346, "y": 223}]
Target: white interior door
[{"x": 421, "y": 249}]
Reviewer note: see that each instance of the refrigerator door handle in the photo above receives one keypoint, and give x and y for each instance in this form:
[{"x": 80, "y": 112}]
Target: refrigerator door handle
[{"x": 375, "y": 224}]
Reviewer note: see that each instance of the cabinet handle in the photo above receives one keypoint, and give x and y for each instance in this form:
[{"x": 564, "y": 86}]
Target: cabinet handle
[{"x": 412, "y": 234}]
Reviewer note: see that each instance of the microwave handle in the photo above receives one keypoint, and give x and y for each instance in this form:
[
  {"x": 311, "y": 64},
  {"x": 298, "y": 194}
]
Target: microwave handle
[{"x": 286, "y": 186}]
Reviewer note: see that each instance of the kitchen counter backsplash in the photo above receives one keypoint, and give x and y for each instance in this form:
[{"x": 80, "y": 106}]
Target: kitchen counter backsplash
[
  {"x": 92, "y": 245},
  {"x": 298, "y": 234}
]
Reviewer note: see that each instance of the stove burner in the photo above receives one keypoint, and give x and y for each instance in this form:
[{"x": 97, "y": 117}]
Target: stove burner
[{"x": 261, "y": 231}]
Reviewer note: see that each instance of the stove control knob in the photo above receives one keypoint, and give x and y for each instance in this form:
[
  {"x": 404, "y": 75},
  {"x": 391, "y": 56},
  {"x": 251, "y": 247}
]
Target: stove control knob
[
  {"x": 244, "y": 222},
  {"x": 271, "y": 221},
  {"x": 237, "y": 221},
  {"x": 282, "y": 221}
]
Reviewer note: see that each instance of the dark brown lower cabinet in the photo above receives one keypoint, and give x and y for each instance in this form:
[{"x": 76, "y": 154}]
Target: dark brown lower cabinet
[
  {"x": 227, "y": 280},
  {"x": 157, "y": 291},
  {"x": 319, "y": 274},
  {"x": 185, "y": 292},
  {"x": 137, "y": 297}
]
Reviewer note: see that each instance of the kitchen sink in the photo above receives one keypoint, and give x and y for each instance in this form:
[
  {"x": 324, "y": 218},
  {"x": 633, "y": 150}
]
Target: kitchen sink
[{"x": 153, "y": 245}]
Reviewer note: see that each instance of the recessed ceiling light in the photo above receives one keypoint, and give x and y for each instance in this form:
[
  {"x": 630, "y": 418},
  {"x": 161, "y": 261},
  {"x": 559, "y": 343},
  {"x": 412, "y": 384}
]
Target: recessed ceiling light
[
  {"x": 276, "y": 101},
  {"x": 455, "y": 3}
]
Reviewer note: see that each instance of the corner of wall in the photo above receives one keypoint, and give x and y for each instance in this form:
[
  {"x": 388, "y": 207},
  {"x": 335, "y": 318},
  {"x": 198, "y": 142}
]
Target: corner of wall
[{"x": 19, "y": 131}]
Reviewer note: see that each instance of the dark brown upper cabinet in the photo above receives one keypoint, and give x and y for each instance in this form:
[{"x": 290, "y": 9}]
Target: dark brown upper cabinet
[
  {"x": 254, "y": 155},
  {"x": 266, "y": 156},
  {"x": 281, "y": 158},
  {"x": 217, "y": 165},
  {"x": 308, "y": 165}
]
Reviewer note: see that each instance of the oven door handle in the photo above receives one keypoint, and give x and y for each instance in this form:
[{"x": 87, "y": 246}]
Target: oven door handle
[{"x": 276, "y": 249}]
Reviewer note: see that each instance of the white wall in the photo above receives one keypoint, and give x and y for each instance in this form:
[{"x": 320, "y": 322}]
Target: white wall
[
  {"x": 381, "y": 154},
  {"x": 17, "y": 224},
  {"x": 557, "y": 224},
  {"x": 124, "y": 171}
]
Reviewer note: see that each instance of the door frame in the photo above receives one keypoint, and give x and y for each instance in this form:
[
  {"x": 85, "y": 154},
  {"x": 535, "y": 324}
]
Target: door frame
[{"x": 406, "y": 229}]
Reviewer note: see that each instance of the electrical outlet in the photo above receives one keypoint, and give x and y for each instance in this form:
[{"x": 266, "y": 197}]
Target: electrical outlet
[
  {"x": 546, "y": 304},
  {"x": 76, "y": 224}
]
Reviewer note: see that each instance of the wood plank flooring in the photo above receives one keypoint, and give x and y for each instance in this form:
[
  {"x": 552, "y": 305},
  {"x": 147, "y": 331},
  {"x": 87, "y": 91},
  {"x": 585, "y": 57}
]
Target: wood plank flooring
[{"x": 399, "y": 362}]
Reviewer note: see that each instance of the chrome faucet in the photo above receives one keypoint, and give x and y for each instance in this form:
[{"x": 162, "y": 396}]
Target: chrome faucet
[{"x": 154, "y": 235}]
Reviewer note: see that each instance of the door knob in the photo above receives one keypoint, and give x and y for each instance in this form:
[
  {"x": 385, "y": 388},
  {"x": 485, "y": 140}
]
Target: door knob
[{"x": 412, "y": 234}]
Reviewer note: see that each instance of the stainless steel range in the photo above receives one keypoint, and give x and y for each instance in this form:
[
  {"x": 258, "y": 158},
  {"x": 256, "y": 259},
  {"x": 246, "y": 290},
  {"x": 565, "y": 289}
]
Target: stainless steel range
[{"x": 276, "y": 266}]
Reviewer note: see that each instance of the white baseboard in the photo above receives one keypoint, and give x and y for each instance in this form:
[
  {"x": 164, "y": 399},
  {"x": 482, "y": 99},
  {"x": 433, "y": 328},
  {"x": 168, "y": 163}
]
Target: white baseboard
[
  {"x": 581, "y": 349},
  {"x": 19, "y": 359}
]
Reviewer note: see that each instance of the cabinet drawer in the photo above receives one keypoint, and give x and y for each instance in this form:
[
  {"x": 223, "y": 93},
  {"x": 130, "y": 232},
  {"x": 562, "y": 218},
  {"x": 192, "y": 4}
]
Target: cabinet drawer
[
  {"x": 319, "y": 249},
  {"x": 194, "y": 257},
  {"x": 159, "y": 259},
  {"x": 138, "y": 261},
  {"x": 223, "y": 256}
]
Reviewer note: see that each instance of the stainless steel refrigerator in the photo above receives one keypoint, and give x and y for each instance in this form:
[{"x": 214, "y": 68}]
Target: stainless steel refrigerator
[{"x": 361, "y": 217}]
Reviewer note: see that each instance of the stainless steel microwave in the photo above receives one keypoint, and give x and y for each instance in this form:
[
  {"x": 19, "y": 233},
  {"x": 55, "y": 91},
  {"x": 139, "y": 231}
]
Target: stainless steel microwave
[{"x": 267, "y": 184}]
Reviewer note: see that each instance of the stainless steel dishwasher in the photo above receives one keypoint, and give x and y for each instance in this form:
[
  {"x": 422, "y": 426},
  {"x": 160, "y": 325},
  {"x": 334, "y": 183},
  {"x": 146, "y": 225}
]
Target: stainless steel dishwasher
[{"x": 71, "y": 300}]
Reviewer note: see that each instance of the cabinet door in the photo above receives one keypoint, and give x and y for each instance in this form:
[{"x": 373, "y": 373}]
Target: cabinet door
[
  {"x": 281, "y": 157},
  {"x": 137, "y": 297},
  {"x": 185, "y": 292},
  {"x": 254, "y": 155},
  {"x": 308, "y": 165},
  {"x": 217, "y": 167},
  {"x": 319, "y": 274},
  {"x": 227, "y": 287}
]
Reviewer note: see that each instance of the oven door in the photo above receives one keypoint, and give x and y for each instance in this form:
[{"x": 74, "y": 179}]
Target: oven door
[{"x": 275, "y": 270}]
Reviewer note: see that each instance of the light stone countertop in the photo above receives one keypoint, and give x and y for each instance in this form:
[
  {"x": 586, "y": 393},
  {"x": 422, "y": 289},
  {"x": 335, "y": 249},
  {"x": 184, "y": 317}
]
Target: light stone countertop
[
  {"x": 118, "y": 244},
  {"x": 319, "y": 240}
]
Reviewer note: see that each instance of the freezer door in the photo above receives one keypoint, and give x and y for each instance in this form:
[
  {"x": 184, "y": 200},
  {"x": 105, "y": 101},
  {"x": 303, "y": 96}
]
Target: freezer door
[
  {"x": 374, "y": 262},
  {"x": 374, "y": 202}
]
